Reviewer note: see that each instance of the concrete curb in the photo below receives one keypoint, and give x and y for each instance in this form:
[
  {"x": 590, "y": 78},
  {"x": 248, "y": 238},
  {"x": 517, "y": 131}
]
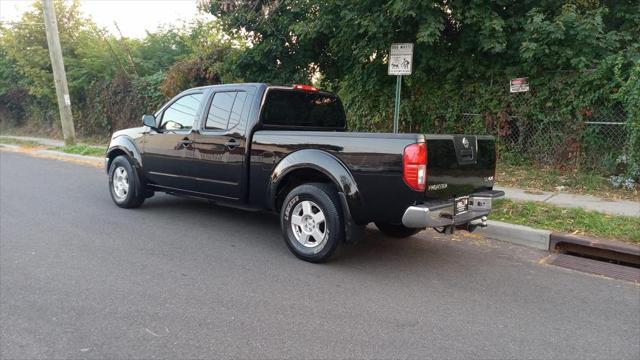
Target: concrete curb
[
  {"x": 517, "y": 234},
  {"x": 612, "y": 250},
  {"x": 10, "y": 146},
  {"x": 54, "y": 154}
]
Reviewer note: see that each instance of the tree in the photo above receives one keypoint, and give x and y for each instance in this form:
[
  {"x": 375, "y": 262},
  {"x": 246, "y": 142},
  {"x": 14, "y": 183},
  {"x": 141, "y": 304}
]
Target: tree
[
  {"x": 111, "y": 79},
  {"x": 459, "y": 44},
  {"x": 464, "y": 55}
]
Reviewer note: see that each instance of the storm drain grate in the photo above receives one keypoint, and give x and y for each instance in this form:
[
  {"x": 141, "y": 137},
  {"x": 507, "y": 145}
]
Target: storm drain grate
[{"x": 611, "y": 270}]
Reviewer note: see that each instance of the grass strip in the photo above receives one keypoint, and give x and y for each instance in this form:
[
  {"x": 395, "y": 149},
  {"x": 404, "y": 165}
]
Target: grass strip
[
  {"x": 550, "y": 179},
  {"x": 569, "y": 220},
  {"x": 82, "y": 149}
]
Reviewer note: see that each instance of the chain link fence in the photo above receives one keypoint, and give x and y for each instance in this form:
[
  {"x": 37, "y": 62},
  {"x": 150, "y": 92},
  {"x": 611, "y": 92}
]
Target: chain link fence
[{"x": 594, "y": 140}]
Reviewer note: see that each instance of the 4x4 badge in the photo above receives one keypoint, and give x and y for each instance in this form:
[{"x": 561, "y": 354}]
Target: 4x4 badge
[{"x": 465, "y": 142}]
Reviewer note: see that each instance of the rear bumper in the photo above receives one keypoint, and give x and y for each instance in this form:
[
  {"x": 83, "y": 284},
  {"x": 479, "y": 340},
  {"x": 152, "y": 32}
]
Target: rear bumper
[{"x": 441, "y": 213}]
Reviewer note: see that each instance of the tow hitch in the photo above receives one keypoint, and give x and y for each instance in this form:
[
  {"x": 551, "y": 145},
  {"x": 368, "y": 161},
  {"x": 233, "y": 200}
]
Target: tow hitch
[
  {"x": 470, "y": 226},
  {"x": 474, "y": 224}
]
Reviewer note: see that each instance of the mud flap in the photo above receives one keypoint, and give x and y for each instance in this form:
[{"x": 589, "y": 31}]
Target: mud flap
[{"x": 352, "y": 231}]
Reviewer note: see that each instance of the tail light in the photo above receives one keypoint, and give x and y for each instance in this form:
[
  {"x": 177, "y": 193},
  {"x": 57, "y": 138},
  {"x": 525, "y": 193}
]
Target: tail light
[
  {"x": 414, "y": 160},
  {"x": 305, "y": 88}
]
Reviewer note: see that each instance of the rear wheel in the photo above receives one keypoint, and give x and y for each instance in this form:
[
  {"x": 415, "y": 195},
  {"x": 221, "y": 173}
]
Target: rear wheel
[
  {"x": 125, "y": 186},
  {"x": 396, "y": 231},
  {"x": 311, "y": 221}
]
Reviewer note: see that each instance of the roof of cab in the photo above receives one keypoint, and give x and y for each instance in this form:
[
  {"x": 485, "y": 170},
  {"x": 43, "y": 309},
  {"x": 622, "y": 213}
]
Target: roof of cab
[
  {"x": 228, "y": 85},
  {"x": 258, "y": 85}
]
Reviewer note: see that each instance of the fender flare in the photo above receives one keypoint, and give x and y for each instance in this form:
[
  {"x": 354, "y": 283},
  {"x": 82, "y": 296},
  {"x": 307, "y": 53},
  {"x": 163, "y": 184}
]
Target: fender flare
[
  {"x": 129, "y": 147},
  {"x": 327, "y": 164}
]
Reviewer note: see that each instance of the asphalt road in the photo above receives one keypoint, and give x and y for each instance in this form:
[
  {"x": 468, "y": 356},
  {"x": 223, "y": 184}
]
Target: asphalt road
[{"x": 178, "y": 278}]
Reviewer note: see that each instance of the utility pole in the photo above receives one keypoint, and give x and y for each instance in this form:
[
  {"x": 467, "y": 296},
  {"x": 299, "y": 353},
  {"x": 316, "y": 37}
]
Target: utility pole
[{"x": 59, "y": 75}]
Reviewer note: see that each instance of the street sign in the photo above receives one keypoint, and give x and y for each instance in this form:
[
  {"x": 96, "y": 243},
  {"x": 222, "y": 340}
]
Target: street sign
[
  {"x": 401, "y": 59},
  {"x": 519, "y": 85},
  {"x": 400, "y": 63}
]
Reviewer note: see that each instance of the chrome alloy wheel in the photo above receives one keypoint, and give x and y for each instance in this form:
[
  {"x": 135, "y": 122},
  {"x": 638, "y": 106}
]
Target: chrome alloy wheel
[
  {"x": 120, "y": 183},
  {"x": 308, "y": 224}
]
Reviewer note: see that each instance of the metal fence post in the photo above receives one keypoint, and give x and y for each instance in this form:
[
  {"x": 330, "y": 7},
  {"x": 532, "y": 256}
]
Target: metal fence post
[{"x": 396, "y": 113}]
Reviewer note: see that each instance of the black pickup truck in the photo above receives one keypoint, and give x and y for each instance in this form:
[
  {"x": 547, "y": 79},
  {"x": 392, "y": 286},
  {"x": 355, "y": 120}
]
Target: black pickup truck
[{"x": 286, "y": 149}]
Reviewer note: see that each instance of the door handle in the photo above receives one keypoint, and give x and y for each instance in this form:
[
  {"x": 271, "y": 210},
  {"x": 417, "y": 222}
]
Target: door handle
[
  {"x": 232, "y": 144},
  {"x": 185, "y": 142}
]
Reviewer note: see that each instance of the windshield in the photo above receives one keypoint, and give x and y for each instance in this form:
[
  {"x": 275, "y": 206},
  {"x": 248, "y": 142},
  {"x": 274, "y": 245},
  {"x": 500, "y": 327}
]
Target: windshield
[{"x": 294, "y": 108}]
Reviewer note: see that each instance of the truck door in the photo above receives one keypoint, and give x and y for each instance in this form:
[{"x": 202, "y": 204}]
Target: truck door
[
  {"x": 220, "y": 145},
  {"x": 168, "y": 152}
]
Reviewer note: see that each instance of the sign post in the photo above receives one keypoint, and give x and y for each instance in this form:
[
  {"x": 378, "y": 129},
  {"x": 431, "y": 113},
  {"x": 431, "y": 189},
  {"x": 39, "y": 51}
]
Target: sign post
[
  {"x": 396, "y": 111},
  {"x": 400, "y": 63}
]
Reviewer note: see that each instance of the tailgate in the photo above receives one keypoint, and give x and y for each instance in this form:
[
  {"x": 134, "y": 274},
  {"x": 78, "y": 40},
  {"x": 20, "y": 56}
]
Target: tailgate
[{"x": 459, "y": 164}]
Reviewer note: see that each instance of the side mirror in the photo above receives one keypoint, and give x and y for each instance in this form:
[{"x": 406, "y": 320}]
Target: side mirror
[{"x": 150, "y": 121}]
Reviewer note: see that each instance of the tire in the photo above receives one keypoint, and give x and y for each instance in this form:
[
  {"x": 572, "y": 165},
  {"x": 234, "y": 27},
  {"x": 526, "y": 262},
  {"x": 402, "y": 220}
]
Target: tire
[
  {"x": 311, "y": 221},
  {"x": 397, "y": 231},
  {"x": 125, "y": 186}
]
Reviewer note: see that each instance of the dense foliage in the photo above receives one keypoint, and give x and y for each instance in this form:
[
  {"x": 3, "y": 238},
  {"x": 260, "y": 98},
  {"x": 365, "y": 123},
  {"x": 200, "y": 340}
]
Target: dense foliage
[
  {"x": 630, "y": 96},
  {"x": 577, "y": 55},
  {"x": 112, "y": 80}
]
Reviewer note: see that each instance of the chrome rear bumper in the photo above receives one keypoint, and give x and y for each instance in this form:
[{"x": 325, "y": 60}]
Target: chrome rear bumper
[{"x": 442, "y": 214}]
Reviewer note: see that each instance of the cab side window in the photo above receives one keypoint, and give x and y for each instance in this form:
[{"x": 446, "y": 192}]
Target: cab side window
[
  {"x": 226, "y": 110},
  {"x": 182, "y": 113},
  {"x": 236, "y": 111}
]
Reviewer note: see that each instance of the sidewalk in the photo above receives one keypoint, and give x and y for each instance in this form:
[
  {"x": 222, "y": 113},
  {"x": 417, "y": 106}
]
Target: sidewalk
[
  {"x": 43, "y": 141},
  {"x": 560, "y": 199},
  {"x": 567, "y": 200}
]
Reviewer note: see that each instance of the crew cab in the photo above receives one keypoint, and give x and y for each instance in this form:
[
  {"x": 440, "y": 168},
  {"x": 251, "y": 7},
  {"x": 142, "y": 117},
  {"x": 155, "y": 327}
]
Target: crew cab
[{"x": 286, "y": 149}]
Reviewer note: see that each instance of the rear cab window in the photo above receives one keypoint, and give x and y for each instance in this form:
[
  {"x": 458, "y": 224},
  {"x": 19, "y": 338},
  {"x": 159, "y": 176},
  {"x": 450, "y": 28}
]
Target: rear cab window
[
  {"x": 225, "y": 112},
  {"x": 303, "y": 109}
]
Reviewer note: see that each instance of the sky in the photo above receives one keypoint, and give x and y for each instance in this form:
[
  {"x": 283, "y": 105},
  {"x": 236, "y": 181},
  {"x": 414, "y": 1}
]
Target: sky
[{"x": 134, "y": 17}]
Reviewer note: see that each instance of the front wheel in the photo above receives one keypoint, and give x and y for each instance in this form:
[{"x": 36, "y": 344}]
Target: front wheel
[
  {"x": 311, "y": 221},
  {"x": 125, "y": 186},
  {"x": 397, "y": 231}
]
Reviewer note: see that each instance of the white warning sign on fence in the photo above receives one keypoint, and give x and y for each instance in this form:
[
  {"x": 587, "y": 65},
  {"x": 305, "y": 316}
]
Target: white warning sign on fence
[
  {"x": 401, "y": 59},
  {"x": 519, "y": 85}
]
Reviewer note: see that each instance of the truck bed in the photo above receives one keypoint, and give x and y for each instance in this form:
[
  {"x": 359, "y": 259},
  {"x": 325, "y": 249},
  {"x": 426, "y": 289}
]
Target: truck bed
[{"x": 376, "y": 162}]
